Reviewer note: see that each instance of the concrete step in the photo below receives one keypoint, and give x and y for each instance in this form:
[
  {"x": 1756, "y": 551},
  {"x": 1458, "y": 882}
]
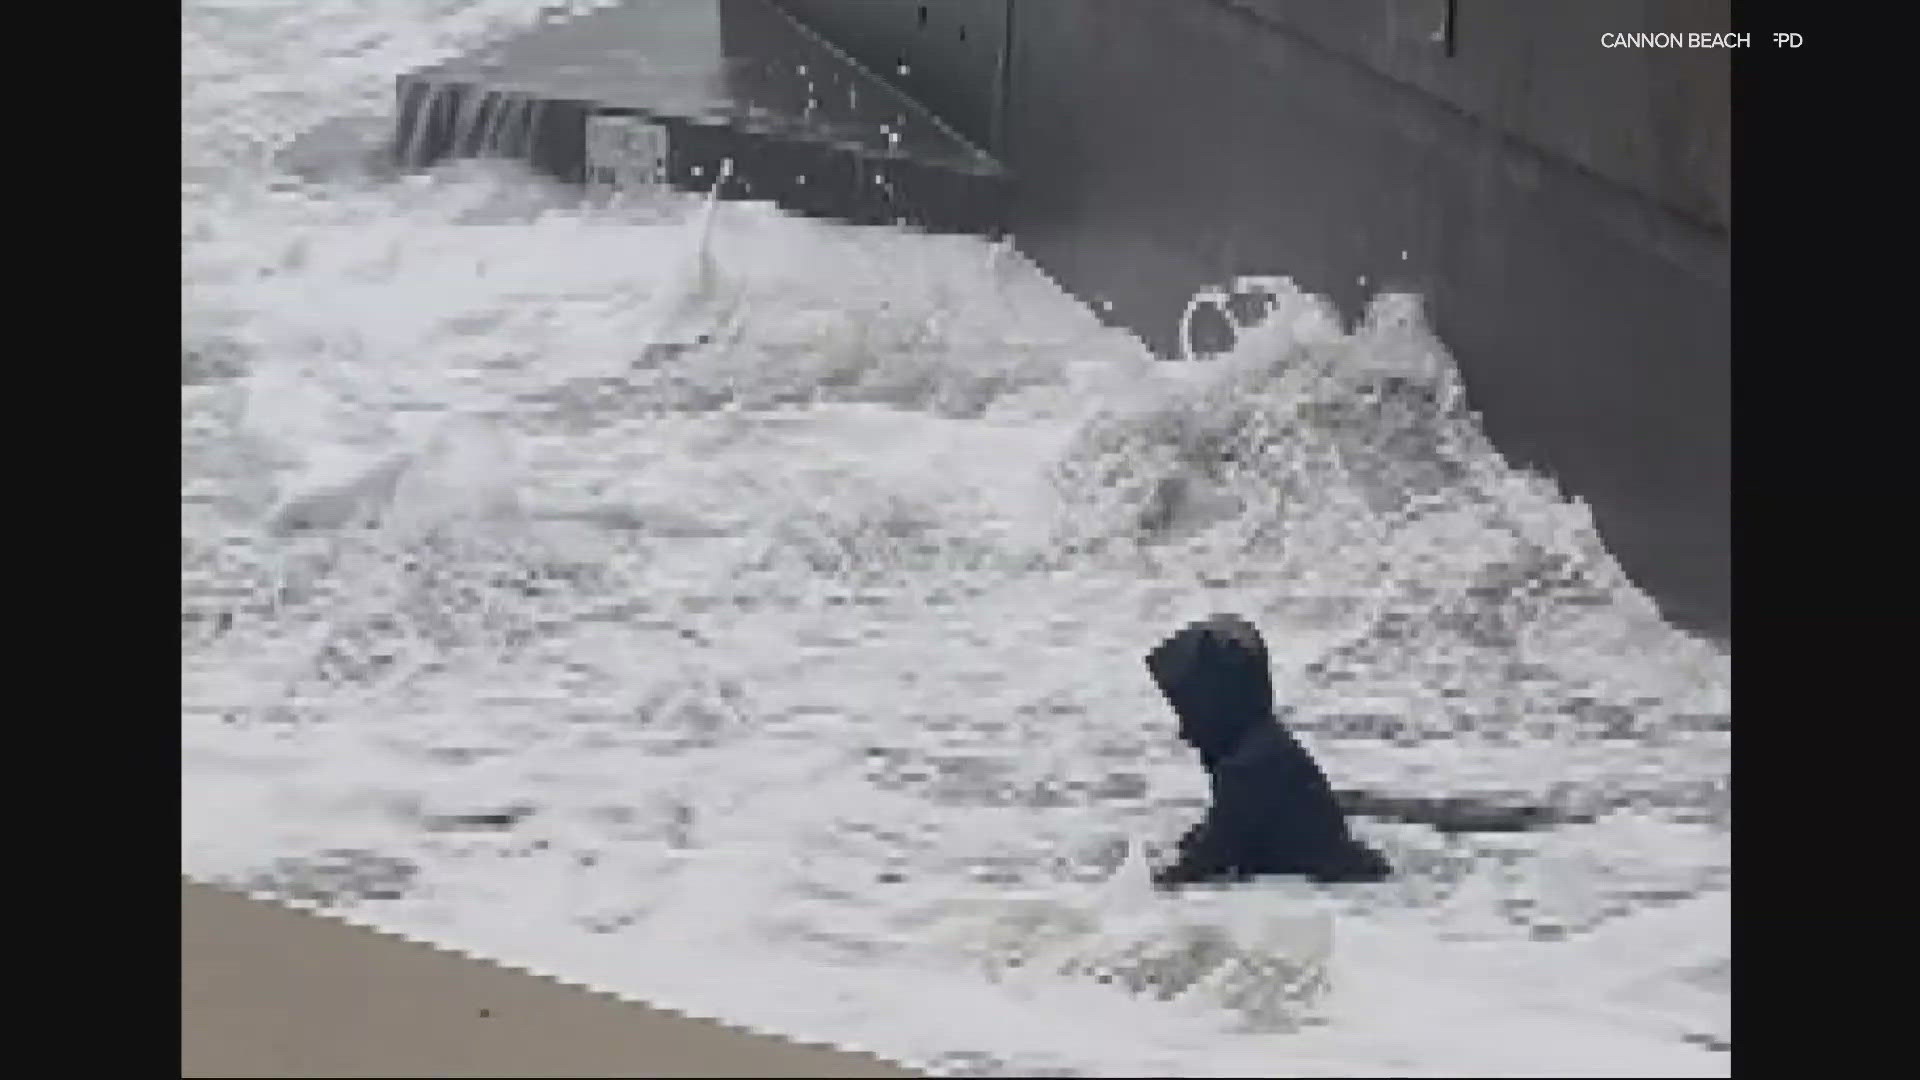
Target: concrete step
[{"x": 691, "y": 93}]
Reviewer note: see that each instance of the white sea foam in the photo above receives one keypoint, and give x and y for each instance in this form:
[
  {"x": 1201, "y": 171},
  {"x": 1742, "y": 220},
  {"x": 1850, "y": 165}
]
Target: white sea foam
[{"x": 810, "y": 654}]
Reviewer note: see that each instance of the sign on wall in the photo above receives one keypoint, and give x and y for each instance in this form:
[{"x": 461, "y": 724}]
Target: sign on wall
[{"x": 625, "y": 153}]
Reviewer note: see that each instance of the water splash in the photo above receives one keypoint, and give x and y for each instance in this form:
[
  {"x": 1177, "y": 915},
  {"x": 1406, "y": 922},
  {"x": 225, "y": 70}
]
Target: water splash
[{"x": 837, "y": 599}]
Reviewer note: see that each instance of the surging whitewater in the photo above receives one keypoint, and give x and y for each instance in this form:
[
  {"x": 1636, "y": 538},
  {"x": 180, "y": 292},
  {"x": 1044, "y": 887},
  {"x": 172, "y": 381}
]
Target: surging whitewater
[{"x": 744, "y": 613}]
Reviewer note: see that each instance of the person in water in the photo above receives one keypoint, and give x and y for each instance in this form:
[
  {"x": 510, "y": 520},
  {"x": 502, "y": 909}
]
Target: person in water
[{"x": 1273, "y": 810}]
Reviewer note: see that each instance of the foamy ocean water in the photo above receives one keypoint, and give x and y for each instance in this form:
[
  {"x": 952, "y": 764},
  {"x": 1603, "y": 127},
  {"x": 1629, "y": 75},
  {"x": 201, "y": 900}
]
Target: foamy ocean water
[{"x": 794, "y": 677}]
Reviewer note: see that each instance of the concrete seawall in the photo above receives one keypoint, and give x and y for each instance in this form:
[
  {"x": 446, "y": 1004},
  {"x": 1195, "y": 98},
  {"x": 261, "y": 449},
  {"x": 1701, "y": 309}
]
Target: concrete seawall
[{"x": 1565, "y": 206}]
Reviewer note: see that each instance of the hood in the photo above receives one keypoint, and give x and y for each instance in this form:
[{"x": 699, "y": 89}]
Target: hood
[{"x": 1214, "y": 675}]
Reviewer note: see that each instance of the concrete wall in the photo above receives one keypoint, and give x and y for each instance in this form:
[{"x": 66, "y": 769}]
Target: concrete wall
[
  {"x": 1566, "y": 208},
  {"x": 1656, "y": 121},
  {"x": 953, "y": 52}
]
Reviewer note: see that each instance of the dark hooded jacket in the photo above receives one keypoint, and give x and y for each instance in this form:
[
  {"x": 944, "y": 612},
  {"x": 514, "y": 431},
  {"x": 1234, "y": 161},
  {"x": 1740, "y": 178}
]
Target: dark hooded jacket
[{"x": 1273, "y": 810}]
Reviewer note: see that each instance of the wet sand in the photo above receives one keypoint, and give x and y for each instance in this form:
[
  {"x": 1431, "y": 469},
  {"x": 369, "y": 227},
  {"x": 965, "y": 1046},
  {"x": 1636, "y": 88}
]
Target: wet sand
[{"x": 270, "y": 991}]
